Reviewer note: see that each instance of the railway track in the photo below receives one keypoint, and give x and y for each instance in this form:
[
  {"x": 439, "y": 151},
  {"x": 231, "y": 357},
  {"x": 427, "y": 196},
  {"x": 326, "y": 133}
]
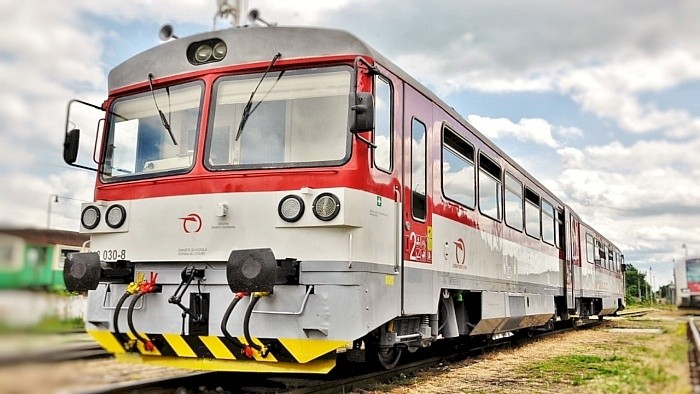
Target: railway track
[
  {"x": 54, "y": 353},
  {"x": 694, "y": 353},
  {"x": 106, "y": 375},
  {"x": 633, "y": 312}
]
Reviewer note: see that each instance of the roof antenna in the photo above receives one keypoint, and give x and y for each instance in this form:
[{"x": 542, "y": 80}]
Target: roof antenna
[{"x": 235, "y": 12}]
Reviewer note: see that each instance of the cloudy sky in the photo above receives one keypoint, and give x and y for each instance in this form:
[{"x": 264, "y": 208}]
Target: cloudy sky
[{"x": 599, "y": 100}]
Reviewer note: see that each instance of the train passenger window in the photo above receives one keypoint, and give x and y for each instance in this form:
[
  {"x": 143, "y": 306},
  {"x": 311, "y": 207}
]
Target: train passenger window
[
  {"x": 590, "y": 249},
  {"x": 532, "y": 213},
  {"x": 457, "y": 169},
  {"x": 489, "y": 187},
  {"x": 601, "y": 254},
  {"x": 547, "y": 222},
  {"x": 383, "y": 153},
  {"x": 418, "y": 180},
  {"x": 610, "y": 259},
  {"x": 514, "y": 202}
]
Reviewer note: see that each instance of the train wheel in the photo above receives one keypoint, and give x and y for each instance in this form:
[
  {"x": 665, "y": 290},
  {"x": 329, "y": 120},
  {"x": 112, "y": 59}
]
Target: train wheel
[{"x": 388, "y": 357}]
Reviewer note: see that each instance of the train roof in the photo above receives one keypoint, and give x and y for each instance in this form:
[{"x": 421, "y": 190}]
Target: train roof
[{"x": 47, "y": 237}]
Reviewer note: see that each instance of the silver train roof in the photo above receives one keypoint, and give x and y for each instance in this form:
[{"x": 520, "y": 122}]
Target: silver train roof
[{"x": 245, "y": 45}]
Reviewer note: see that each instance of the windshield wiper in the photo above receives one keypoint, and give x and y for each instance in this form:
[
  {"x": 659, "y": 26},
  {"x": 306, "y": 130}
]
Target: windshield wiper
[
  {"x": 248, "y": 109},
  {"x": 164, "y": 121}
]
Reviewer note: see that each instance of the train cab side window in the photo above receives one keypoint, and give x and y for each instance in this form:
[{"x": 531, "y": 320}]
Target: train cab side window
[
  {"x": 383, "y": 104},
  {"x": 590, "y": 249},
  {"x": 547, "y": 222},
  {"x": 458, "y": 183},
  {"x": 489, "y": 187},
  {"x": 418, "y": 179},
  {"x": 532, "y": 213},
  {"x": 514, "y": 202}
]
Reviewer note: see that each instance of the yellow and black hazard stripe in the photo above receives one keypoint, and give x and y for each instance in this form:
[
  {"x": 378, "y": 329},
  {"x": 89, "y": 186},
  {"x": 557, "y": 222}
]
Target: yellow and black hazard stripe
[{"x": 281, "y": 350}]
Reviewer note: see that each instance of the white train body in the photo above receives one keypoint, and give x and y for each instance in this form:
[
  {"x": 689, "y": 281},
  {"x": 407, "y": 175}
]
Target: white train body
[{"x": 355, "y": 212}]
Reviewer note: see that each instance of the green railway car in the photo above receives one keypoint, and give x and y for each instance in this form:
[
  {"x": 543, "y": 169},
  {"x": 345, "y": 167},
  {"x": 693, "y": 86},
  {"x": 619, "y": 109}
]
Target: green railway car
[{"x": 33, "y": 258}]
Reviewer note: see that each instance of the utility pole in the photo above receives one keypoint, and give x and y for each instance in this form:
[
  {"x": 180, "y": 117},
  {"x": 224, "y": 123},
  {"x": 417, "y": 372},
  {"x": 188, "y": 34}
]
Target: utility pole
[
  {"x": 639, "y": 288},
  {"x": 649, "y": 287}
]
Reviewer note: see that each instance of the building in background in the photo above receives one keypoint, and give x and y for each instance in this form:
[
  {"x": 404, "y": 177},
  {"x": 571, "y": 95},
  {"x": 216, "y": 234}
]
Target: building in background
[{"x": 33, "y": 258}]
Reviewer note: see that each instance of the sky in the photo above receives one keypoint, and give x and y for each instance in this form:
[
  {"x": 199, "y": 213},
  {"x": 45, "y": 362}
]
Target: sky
[{"x": 600, "y": 101}]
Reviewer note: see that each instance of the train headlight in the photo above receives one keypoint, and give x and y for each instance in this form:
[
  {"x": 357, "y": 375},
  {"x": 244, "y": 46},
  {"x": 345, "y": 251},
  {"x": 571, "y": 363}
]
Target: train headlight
[
  {"x": 116, "y": 215},
  {"x": 207, "y": 51},
  {"x": 219, "y": 51},
  {"x": 291, "y": 208},
  {"x": 203, "y": 53},
  {"x": 326, "y": 206},
  {"x": 90, "y": 217}
]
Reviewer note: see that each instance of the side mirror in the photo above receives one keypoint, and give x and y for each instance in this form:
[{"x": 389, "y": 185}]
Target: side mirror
[
  {"x": 364, "y": 112},
  {"x": 70, "y": 146}
]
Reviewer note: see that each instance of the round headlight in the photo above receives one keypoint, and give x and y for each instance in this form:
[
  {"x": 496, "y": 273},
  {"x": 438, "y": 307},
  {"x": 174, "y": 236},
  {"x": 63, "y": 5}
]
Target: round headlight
[
  {"x": 291, "y": 208},
  {"x": 90, "y": 217},
  {"x": 203, "y": 53},
  {"x": 219, "y": 51},
  {"x": 116, "y": 215},
  {"x": 326, "y": 206}
]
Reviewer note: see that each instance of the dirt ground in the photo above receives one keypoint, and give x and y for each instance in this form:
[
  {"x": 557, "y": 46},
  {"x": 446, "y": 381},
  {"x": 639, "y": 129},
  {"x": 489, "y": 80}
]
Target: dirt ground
[{"x": 625, "y": 355}]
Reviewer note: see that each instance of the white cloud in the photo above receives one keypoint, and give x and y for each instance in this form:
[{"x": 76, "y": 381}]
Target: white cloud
[{"x": 535, "y": 130}]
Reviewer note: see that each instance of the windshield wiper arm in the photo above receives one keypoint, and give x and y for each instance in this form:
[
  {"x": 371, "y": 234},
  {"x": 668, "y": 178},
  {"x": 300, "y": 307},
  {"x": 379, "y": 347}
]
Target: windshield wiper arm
[
  {"x": 164, "y": 121},
  {"x": 248, "y": 109}
]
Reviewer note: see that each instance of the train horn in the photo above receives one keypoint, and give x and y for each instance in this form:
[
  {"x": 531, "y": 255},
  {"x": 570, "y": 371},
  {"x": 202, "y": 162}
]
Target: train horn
[
  {"x": 254, "y": 16},
  {"x": 166, "y": 32}
]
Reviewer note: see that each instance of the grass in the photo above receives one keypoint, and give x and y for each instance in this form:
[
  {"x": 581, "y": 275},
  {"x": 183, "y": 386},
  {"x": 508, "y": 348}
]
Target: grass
[
  {"x": 627, "y": 363},
  {"x": 615, "y": 372}
]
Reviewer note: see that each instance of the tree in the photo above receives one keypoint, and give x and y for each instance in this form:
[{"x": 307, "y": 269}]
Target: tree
[{"x": 636, "y": 285}]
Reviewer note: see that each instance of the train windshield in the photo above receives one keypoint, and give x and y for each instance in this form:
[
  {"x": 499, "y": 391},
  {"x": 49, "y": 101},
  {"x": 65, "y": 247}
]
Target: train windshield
[
  {"x": 139, "y": 142},
  {"x": 297, "y": 118}
]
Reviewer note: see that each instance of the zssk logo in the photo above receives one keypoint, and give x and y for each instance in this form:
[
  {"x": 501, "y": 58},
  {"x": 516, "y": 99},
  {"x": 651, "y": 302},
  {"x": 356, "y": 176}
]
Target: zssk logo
[{"x": 191, "y": 223}]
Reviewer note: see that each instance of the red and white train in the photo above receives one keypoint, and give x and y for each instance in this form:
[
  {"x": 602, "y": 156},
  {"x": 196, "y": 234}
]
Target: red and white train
[{"x": 346, "y": 207}]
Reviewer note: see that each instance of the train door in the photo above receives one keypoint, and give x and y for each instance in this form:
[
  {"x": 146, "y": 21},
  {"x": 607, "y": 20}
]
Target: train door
[
  {"x": 417, "y": 243},
  {"x": 573, "y": 259}
]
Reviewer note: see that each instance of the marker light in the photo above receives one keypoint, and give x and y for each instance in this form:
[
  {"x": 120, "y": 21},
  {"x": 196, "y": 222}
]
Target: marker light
[
  {"x": 291, "y": 208},
  {"x": 90, "y": 217},
  {"x": 326, "y": 206},
  {"x": 116, "y": 215}
]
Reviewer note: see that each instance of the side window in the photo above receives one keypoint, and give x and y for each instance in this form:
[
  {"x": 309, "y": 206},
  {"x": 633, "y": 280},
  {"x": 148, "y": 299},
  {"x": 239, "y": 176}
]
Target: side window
[
  {"x": 590, "y": 249},
  {"x": 601, "y": 255},
  {"x": 532, "y": 213},
  {"x": 383, "y": 153},
  {"x": 457, "y": 169},
  {"x": 514, "y": 202},
  {"x": 489, "y": 187},
  {"x": 559, "y": 229},
  {"x": 547, "y": 222},
  {"x": 418, "y": 181}
]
